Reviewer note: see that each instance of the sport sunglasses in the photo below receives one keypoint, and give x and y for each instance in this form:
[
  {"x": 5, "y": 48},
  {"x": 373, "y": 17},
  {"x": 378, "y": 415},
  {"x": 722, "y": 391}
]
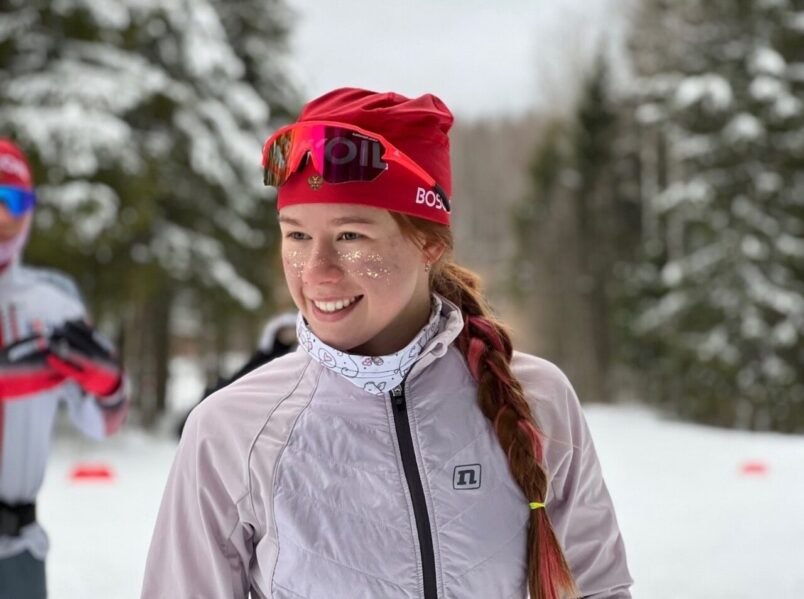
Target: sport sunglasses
[
  {"x": 18, "y": 201},
  {"x": 341, "y": 153}
]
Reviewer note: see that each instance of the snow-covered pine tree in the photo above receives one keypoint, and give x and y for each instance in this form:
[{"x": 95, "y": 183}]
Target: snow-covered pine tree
[
  {"x": 258, "y": 32},
  {"x": 144, "y": 120},
  {"x": 720, "y": 302}
]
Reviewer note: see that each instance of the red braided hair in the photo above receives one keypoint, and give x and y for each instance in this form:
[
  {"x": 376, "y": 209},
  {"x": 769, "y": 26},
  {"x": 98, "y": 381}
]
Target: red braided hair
[{"x": 486, "y": 345}]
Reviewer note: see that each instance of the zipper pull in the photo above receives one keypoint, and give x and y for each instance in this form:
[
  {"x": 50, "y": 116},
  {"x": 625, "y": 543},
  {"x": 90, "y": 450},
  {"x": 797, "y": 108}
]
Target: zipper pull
[{"x": 398, "y": 397}]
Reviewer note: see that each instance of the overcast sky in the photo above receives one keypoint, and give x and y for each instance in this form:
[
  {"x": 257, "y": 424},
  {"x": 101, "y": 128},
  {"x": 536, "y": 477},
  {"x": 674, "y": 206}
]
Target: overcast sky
[{"x": 481, "y": 57}]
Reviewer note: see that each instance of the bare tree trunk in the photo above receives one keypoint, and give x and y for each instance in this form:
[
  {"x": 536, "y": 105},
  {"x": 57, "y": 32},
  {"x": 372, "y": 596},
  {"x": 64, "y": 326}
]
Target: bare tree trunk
[{"x": 146, "y": 352}]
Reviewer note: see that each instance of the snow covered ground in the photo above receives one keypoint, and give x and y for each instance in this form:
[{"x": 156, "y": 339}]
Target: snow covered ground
[{"x": 696, "y": 525}]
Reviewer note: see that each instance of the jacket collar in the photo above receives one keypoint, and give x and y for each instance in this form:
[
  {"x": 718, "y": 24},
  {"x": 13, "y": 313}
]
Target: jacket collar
[{"x": 451, "y": 326}]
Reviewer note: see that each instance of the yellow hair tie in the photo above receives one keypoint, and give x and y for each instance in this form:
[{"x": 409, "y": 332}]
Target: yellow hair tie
[{"x": 535, "y": 505}]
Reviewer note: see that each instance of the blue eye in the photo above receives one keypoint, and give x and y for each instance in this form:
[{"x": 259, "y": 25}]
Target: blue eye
[
  {"x": 296, "y": 236},
  {"x": 348, "y": 236}
]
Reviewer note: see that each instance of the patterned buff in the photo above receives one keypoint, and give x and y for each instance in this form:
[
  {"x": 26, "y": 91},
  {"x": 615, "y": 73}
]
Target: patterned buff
[{"x": 375, "y": 374}]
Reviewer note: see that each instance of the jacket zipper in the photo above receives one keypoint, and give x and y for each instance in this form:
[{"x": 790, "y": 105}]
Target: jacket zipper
[{"x": 414, "y": 481}]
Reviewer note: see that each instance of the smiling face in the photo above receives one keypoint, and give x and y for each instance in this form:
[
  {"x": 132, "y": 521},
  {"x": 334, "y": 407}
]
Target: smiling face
[{"x": 360, "y": 283}]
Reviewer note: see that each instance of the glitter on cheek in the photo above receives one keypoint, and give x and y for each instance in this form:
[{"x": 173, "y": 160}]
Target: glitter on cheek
[
  {"x": 295, "y": 262},
  {"x": 365, "y": 265}
]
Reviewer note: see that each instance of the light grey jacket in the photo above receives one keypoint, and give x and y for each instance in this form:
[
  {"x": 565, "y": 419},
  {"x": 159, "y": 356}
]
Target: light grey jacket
[{"x": 293, "y": 483}]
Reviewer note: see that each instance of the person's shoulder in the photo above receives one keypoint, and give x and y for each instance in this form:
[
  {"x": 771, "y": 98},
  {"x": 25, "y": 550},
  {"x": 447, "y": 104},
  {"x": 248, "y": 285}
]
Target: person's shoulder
[
  {"x": 249, "y": 401},
  {"x": 541, "y": 379},
  {"x": 551, "y": 396},
  {"x": 280, "y": 375},
  {"x": 54, "y": 280}
]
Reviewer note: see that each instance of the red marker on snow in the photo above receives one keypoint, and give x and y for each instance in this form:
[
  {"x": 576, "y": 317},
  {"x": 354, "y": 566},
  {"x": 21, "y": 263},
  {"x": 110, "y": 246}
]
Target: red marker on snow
[
  {"x": 754, "y": 468},
  {"x": 91, "y": 473}
]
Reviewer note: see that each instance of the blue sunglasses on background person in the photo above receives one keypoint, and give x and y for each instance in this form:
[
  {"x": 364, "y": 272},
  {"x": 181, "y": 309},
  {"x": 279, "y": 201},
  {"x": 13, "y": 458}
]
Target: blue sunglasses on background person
[{"x": 18, "y": 201}]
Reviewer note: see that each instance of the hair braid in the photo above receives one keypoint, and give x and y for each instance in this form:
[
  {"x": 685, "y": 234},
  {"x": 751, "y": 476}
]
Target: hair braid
[{"x": 487, "y": 347}]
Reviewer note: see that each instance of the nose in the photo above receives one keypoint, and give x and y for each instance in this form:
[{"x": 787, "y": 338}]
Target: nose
[{"x": 323, "y": 267}]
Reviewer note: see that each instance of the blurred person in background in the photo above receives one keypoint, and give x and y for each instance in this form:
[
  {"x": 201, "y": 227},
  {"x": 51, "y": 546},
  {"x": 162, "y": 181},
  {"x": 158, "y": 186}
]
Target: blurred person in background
[
  {"x": 278, "y": 338},
  {"x": 405, "y": 450},
  {"x": 48, "y": 354}
]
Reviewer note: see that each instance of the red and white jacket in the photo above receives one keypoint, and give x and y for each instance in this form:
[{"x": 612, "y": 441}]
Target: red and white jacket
[{"x": 35, "y": 301}]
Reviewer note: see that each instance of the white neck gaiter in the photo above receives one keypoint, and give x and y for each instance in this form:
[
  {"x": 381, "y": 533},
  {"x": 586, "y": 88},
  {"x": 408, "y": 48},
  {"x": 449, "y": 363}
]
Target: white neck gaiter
[
  {"x": 374, "y": 374},
  {"x": 10, "y": 249}
]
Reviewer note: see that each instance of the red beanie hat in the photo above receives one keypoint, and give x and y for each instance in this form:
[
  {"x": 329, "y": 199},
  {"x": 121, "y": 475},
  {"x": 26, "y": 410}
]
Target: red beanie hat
[
  {"x": 417, "y": 126},
  {"x": 14, "y": 168}
]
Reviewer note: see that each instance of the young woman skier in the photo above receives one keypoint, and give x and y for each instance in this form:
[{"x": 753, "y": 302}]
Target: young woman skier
[{"x": 405, "y": 449}]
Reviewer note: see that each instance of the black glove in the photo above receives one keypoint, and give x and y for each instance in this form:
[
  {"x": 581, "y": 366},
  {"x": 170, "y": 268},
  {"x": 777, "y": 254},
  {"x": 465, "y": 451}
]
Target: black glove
[{"x": 79, "y": 352}]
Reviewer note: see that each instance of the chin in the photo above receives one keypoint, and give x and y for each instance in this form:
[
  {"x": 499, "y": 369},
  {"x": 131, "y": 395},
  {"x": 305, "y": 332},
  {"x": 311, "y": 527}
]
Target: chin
[{"x": 344, "y": 343}]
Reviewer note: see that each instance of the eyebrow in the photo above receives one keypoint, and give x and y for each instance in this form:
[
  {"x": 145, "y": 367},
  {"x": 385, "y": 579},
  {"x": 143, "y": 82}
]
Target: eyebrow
[{"x": 343, "y": 220}]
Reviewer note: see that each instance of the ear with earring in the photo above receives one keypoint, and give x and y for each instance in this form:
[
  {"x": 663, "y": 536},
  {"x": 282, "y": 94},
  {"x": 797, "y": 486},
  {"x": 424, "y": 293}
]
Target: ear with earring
[{"x": 426, "y": 267}]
